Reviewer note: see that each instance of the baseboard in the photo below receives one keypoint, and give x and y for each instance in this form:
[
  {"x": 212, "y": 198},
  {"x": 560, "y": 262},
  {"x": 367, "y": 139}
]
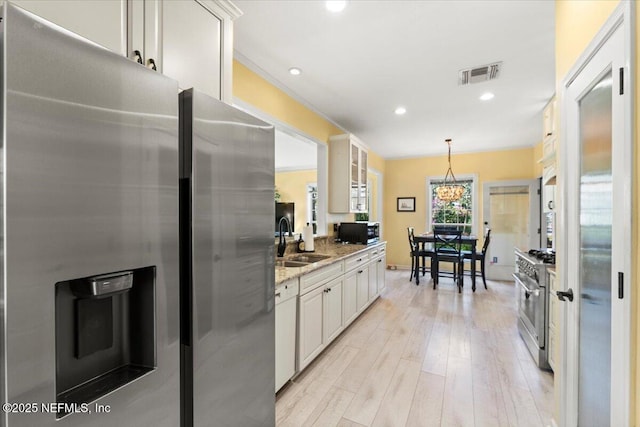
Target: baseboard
[{"x": 398, "y": 267}]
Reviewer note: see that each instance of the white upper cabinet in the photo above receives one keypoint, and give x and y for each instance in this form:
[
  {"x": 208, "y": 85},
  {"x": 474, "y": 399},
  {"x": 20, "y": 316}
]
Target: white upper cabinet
[
  {"x": 188, "y": 40},
  {"x": 191, "y": 45},
  {"x": 347, "y": 175},
  {"x": 101, "y": 21}
]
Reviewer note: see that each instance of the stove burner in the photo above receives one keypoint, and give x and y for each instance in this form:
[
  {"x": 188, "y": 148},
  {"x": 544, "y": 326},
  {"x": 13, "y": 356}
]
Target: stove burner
[{"x": 547, "y": 257}]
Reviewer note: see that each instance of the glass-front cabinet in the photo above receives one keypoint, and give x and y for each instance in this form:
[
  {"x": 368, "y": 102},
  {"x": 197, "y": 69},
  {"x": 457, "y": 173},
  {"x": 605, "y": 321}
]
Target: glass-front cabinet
[{"x": 347, "y": 175}]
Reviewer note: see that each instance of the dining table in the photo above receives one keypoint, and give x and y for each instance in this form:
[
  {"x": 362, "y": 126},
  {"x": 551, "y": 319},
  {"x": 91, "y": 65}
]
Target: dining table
[{"x": 467, "y": 239}]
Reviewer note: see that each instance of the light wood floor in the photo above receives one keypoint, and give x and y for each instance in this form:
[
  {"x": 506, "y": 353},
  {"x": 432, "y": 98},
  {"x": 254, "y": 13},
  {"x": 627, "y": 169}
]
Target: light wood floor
[{"x": 424, "y": 357}]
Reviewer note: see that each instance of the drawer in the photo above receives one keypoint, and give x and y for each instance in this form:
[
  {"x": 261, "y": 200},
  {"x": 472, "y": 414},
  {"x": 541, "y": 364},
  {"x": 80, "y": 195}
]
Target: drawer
[
  {"x": 376, "y": 252},
  {"x": 356, "y": 261},
  {"x": 315, "y": 278},
  {"x": 286, "y": 290}
]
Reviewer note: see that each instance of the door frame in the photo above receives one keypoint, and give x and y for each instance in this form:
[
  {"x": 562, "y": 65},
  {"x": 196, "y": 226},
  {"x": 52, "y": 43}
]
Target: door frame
[
  {"x": 622, "y": 161},
  {"x": 535, "y": 226}
]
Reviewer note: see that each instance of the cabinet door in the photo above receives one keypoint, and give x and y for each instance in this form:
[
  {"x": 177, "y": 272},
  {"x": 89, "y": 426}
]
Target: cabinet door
[
  {"x": 310, "y": 339},
  {"x": 191, "y": 45},
  {"x": 363, "y": 199},
  {"x": 380, "y": 273},
  {"x": 332, "y": 310},
  {"x": 349, "y": 297},
  {"x": 285, "y": 341},
  {"x": 362, "y": 294},
  {"x": 101, "y": 21},
  {"x": 373, "y": 281}
]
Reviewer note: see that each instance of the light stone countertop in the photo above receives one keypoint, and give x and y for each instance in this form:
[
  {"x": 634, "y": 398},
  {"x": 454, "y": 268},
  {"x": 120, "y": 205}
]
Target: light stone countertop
[{"x": 337, "y": 251}]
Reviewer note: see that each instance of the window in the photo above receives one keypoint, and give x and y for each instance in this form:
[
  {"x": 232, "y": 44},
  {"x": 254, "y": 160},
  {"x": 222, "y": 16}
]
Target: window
[{"x": 460, "y": 213}]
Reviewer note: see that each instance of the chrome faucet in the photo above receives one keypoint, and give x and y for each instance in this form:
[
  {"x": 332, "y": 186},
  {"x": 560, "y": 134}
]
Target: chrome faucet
[{"x": 282, "y": 244}]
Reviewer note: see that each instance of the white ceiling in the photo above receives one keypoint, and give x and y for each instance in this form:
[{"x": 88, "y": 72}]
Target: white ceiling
[{"x": 360, "y": 64}]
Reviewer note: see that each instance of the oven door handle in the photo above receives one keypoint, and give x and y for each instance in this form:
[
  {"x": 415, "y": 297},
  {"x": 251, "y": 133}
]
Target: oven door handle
[{"x": 535, "y": 292}]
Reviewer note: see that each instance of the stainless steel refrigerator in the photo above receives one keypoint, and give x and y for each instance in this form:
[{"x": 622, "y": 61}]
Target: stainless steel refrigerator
[
  {"x": 89, "y": 240},
  {"x": 227, "y": 265}
]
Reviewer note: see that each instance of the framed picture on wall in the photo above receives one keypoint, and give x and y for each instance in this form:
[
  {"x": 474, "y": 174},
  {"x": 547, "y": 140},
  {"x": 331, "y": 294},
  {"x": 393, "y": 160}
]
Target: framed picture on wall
[{"x": 406, "y": 204}]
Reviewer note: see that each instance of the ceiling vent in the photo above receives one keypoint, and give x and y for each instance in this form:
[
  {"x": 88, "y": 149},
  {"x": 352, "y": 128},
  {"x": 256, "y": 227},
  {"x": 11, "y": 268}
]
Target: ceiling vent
[{"x": 479, "y": 74}]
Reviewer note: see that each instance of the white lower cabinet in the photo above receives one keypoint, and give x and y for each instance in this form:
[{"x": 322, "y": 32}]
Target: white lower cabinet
[
  {"x": 286, "y": 317},
  {"x": 373, "y": 281},
  {"x": 332, "y": 319},
  {"x": 320, "y": 319},
  {"x": 310, "y": 324},
  {"x": 349, "y": 297},
  {"x": 333, "y": 297},
  {"x": 362, "y": 287},
  {"x": 381, "y": 269},
  {"x": 553, "y": 316}
]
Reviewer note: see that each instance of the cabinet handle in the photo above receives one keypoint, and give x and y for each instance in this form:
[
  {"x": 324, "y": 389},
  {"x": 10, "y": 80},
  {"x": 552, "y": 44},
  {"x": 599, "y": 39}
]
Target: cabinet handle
[
  {"x": 359, "y": 259},
  {"x": 137, "y": 56},
  {"x": 277, "y": 294},
  {"x": 152, "y": 64},
  {"x": 360, "y": 271},
  {"x": 379, "y": 260},
  {"x": 549, "y": 133},
  {"x": 550, "y": 204}
]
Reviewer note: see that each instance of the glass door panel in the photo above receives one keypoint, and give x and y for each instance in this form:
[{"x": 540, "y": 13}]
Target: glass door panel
[
  {"x": 363, "y": 182},
  {"x": 594, "y": 369},
  {"x": 355, "y": 172}
]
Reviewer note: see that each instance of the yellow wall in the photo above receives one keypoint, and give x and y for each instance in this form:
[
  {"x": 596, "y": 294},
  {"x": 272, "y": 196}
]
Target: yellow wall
[
  {"x": 292, "y": 187},
  {"x": 373, "y": 209},
  {"x": 375, "y": 162},
  {"x": 408, "y": 178},
  {"x": 258, "y": 92},
  {"x": 577, "y": 23}
]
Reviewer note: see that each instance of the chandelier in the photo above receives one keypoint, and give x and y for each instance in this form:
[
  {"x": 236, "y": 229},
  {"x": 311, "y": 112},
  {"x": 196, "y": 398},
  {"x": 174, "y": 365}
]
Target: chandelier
[{"x": 450, "y": 190}]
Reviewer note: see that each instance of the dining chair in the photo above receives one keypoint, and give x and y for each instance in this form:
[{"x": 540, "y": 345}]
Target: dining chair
[
  {"x": 418, "y": 254},
  {"x": 481, "y": 256},
  {"x": 448, "y": 248}
]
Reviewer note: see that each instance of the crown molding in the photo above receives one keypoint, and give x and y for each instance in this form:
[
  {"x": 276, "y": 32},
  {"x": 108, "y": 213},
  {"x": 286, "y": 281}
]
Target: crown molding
[{"x": 229, "y": 8}]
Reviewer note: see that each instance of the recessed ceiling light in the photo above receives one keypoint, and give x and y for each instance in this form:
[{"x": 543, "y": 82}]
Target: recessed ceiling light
[
  {"x": 486, "y": 96},
  {"x": 336, "y": 5},
  {"x": 294, "y": 71},
  {"x": 400, "y": 111}
]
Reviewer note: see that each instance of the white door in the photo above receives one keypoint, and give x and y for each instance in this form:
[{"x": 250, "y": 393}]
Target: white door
[
  {"x": 332, "y": 306},
  {"x": 597, "y": 169},
  {"x": 512, "y": 212}
]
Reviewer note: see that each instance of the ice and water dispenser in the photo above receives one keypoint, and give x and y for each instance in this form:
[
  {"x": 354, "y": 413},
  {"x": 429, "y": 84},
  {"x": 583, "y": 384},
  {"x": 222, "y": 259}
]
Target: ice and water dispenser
[{"x": 105, "y": 333}]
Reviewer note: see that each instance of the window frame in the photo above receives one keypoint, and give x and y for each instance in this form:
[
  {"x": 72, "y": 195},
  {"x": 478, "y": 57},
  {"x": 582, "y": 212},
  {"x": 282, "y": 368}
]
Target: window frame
[{"x": 474, "y": 199}]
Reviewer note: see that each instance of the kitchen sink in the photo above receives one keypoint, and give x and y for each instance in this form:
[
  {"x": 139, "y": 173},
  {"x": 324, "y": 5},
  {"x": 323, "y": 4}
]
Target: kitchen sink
[
  {"x": 309, "y": 258},
  {"x": 288, "y": 263}
]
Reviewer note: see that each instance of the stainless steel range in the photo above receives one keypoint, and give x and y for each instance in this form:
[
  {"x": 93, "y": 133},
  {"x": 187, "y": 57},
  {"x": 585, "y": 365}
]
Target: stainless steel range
[{"x": 533, "y": 305}]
